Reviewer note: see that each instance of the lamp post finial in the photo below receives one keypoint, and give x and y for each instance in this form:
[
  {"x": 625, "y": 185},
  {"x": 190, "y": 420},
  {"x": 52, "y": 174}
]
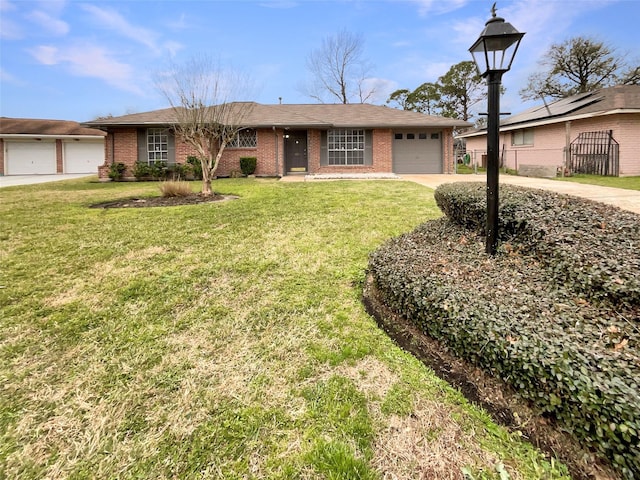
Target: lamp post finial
[{"x": 493, "y": 10}]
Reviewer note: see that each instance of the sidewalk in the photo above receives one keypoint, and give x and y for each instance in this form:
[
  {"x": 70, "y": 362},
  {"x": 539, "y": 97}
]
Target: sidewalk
[{"x": 13, "y": 180}]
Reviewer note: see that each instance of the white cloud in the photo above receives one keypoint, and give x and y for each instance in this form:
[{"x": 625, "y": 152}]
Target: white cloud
[
  {"x": 49, "y": 23},
  {"x": 112, "y": 20},
  {"x": 45, "y": 54},
  {"x": 179, "y": 23},
  {"x": 89, "y": 61},
  {"x": 6, "y": 6},
  {"x": 382, "y": 88},
  {"x": 438, "y": 7},
  {"x": 9, "y": 30},
  {"x": 8, "y": 78},
  {"x": 173, "y": 47}
]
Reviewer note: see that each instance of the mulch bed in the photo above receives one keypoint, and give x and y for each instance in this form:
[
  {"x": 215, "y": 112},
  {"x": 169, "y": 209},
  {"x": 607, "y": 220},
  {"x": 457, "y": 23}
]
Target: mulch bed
[{"x": 135, "y": 202}]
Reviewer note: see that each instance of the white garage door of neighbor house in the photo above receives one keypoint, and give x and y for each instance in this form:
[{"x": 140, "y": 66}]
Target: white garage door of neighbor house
[
  {"x": 28, "y": 158},
  {"x": 83, "y": 157},
  {"x": 417, "y": 151}
]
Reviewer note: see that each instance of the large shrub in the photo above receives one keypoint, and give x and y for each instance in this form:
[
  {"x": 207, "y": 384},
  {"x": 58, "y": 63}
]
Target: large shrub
[
  {"x": 248, "y": 165},
  {"x": 565, "y": 340}
]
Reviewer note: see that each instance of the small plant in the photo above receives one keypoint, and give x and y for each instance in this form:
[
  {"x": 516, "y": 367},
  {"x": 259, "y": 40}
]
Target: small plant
[
  {"x": 175, "y": 189},
  {"x": 235, "y": 174},
  {"x": 116, "y": 171},
  {"x": 159, "y": 171},
  {"x": 196, "y": 167},
  {"x": 141, "y": 170},
  {"x": 248, "y": 165},
  {"x": 179, "y": 171}
]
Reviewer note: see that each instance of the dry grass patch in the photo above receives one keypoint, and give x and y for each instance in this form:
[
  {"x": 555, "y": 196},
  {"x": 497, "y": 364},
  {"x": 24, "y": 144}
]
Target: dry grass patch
[{"x": 428, "y": 444}]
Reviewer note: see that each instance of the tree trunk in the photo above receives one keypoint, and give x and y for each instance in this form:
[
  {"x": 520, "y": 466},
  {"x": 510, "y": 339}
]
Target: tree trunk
[{"x": 206, "y": 187}]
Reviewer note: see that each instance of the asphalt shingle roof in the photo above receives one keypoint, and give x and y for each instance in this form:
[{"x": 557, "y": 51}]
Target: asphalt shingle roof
[
  {"x": 304, "y": 116},
  {"x": 31, "y": 126}
]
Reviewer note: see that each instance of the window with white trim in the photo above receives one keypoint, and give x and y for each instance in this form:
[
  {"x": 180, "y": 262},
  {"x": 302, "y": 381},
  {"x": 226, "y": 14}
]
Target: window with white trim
[
  {"x": 246, "y": 138},
  {"x": 345, "y": 147},
  {"x": 157, "y": 145},
  {"x": 522, "y": 137}
]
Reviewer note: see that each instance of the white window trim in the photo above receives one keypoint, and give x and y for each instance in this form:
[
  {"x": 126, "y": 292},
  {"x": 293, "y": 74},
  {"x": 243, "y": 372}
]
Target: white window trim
[{"x": 347, "y": 141}]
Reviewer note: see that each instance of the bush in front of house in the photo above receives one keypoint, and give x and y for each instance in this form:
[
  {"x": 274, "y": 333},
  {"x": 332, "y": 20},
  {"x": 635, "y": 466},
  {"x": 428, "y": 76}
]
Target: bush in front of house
[
  {"x": 196, "y": 167},
  {"x": 591, "y": 246},
  {"x": 555, "y": 313},
  {"x": 248, "y": 165},
  {"x": 116, "y": 171}
]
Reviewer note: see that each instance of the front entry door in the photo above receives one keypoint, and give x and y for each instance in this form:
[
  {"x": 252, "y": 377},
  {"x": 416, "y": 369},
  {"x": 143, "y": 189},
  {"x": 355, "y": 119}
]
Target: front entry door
[{"x": 295, "y": 150}]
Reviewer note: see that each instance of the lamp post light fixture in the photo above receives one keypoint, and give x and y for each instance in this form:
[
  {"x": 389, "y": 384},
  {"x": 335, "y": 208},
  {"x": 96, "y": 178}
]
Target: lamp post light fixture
[{"x": 493, "y": 55}]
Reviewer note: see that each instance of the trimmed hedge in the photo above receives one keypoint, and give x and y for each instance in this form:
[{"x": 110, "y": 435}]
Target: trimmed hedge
[
  {"x": 248, "y": 165},
  {"x": 591, "y": 246},
  {"x": 565, "y": 340}
]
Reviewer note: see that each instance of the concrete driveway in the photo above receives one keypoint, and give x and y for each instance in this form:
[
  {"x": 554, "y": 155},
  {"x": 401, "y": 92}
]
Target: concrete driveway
[
  {"x": 13, "y": 180},
  {"x": 625, "y": 199}
]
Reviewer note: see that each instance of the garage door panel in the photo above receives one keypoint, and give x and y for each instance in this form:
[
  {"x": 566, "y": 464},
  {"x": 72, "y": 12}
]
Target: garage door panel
[
  {"x": 29, "y": 158},
  {"x": 417, "y": 152},
  {"x": 83, "y": 157}
]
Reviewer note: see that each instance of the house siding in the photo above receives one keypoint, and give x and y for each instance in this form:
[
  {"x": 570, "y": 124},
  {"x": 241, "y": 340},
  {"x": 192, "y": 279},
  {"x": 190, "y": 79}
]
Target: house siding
[
  {"x": 549, "y": 143},
  {"x": 121, "y": 146}
]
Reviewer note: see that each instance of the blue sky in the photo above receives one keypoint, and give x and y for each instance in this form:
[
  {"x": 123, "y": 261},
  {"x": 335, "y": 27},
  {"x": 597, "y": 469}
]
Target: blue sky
[{"x": 76, "y": 60}]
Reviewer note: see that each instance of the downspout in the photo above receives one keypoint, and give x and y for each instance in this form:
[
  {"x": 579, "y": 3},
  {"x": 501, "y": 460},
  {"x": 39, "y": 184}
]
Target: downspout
[{"x": 567, "y": 148}]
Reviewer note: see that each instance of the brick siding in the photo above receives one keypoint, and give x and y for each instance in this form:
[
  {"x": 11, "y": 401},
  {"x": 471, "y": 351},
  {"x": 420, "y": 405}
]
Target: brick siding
[{"x": 121, "y": 146}]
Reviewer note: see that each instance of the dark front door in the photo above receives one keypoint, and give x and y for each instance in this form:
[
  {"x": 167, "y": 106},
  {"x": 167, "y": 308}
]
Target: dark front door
[{"x": 295, "y": 151}]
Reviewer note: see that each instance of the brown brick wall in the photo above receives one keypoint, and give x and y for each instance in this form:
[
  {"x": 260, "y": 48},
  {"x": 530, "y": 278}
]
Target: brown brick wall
[
  {"x": 382, "y": 155},
  {"x": 59, "y": 157},
  {"x": 122, "y": 146},
  {"x": 1, "y": 156}
]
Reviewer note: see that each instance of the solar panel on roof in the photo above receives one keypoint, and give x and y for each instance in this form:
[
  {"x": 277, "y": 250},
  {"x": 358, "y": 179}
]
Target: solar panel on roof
[{"x": 557, "y": 108}]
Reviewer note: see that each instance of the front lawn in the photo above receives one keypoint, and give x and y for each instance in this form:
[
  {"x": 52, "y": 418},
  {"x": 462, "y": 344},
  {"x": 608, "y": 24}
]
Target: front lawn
[
  {"x": 629, "y": 183},
  {"x": 222, "y": 340}
]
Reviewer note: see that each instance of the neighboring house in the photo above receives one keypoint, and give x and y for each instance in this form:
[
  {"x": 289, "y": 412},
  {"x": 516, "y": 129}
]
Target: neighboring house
[
  {"x": 292, "y": 139},
  {"x": 596, "y": 132},
  {"x": 31, "y": 146}
]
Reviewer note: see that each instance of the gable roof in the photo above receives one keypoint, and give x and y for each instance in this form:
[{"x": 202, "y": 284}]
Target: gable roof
[
  {"x": 606, "y": 101},
  {"x": 302, "y": 116},
  {"x": 52, "y": 128}
]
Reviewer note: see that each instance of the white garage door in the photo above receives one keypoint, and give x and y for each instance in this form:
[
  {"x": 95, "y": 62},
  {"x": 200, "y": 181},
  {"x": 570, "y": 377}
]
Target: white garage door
[
  {"x": 417, "y": 151},
  {"x": 83, "y": 156},
  {"x": 28, "y": 158}
]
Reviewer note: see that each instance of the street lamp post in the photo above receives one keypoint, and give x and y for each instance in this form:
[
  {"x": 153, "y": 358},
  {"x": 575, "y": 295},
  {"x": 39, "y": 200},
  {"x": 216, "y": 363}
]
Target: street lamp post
[{"x": 493, "y": 54}]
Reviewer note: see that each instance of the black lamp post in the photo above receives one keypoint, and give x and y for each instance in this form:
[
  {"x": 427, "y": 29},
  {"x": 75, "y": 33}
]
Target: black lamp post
[{"x": 493, "y": 54}]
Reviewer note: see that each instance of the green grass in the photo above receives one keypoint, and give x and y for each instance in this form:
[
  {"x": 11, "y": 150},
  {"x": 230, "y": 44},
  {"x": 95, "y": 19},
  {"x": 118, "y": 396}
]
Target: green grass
[
  {"x": 223, "y": 340},
  {"x": 629, "y": 183}
]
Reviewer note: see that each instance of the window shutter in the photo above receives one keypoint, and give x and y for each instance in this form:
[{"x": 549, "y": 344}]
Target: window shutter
[
  {"x": 171, "y": 148},
  {"x": 368, "y": 147},
  {"x": 324, "y": 158},
  {"x": 142, "y": 145}
]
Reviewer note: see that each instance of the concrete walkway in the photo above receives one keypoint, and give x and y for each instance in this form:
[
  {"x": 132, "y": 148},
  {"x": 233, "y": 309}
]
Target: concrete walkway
[
  {"x": 625, "y": 199},
  {"x": 13, "y": 180}
]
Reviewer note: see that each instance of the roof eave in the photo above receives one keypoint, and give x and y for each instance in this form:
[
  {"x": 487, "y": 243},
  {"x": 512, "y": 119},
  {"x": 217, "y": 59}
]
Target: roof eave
[
  {"x": 38, "y": 135},
  {"x": 552, "y": 121}
]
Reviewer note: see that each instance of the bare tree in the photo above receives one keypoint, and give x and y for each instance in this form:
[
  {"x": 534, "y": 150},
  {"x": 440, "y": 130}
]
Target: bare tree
[
  {"x": 578, "y": 65},
  {"x": 339, "y": 69},
  {"x": 201, "y": 94}
]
